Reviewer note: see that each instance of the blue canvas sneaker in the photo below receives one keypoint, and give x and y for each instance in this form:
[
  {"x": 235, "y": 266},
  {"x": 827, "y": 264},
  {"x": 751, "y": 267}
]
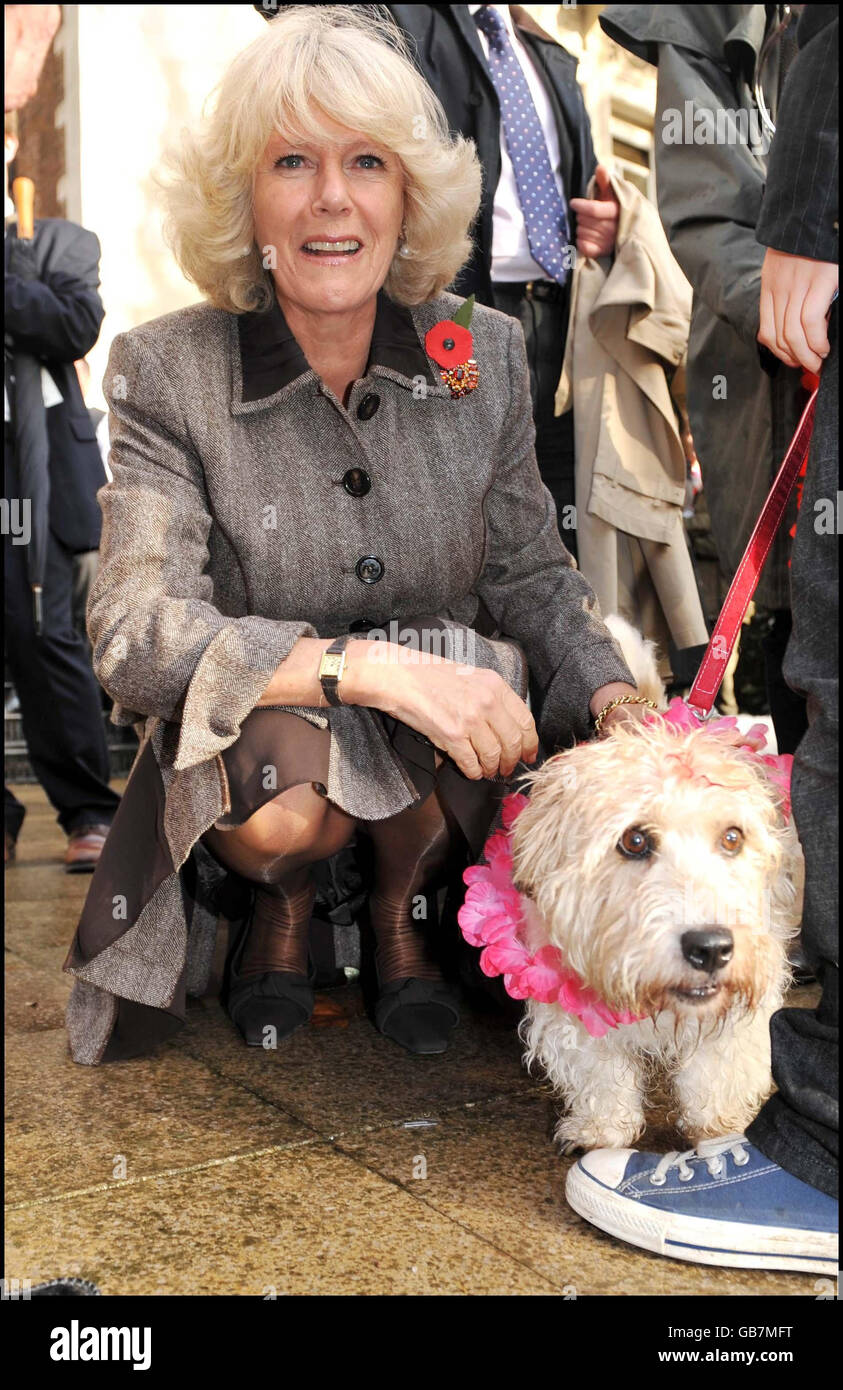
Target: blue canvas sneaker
[{"x": 722, "y": 1203}]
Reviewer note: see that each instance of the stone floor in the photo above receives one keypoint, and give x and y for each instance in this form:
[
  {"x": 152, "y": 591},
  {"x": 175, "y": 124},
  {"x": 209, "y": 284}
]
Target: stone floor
[{"x": 338, "y": 1164}]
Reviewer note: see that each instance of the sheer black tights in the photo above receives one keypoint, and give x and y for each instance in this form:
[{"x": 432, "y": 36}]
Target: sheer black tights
[
  {"x": 414, "y": 852},
  {"x": 277, "y": 845}
]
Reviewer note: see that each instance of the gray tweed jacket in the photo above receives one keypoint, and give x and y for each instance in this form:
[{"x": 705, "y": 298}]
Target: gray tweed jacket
[{"x": 234, "y": 524}]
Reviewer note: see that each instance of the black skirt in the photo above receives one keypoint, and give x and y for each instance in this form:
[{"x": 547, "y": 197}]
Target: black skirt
[{"x": 299, "y": 753}]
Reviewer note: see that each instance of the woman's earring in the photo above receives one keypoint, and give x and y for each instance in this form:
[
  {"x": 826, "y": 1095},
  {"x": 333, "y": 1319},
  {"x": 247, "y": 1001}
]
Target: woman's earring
[{"x": 403, "y": 248}]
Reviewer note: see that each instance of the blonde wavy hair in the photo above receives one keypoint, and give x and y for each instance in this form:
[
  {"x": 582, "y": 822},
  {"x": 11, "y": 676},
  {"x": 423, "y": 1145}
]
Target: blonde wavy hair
[{"x": 314, "y": 61}]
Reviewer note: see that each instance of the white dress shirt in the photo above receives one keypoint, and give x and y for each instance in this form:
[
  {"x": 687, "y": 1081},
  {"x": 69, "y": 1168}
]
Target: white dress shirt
[{"x": 511, "y": 256}]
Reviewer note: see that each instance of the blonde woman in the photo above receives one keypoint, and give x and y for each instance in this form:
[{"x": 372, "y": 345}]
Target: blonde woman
[{"x": 291, "y": 470}]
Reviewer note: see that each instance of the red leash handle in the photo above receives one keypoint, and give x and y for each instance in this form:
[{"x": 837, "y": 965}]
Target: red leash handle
[{"x": 728, "y": 625}]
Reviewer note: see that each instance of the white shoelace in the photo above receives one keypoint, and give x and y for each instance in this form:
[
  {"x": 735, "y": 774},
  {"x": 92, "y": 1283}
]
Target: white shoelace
[{"x": 711, "y": 1150}]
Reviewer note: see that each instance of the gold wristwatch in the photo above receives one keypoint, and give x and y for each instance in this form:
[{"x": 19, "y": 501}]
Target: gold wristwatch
[{"x": 331, "y": 668}]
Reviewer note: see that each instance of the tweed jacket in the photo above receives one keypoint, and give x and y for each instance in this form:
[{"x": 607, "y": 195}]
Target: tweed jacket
[{"x": 230, "y": 531}]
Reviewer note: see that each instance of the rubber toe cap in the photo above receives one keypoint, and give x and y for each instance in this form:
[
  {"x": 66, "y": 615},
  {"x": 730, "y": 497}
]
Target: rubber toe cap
[{"x": 606, "y": 1166}]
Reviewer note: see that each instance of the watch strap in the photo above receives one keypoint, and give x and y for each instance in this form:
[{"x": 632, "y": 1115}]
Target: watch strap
[{"x": 330, "y": 683}]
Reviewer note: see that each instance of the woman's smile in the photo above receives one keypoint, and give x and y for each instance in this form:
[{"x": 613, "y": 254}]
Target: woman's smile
[{"x": 332, "y": 250}]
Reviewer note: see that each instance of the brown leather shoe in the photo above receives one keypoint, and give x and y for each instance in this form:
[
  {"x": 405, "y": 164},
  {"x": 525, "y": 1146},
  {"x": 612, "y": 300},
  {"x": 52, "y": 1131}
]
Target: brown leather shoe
[{"x": 84, "y": 847}]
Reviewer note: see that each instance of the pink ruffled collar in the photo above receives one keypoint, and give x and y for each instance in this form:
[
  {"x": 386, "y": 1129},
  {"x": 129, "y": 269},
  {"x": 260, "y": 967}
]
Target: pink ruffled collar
[{"x": 495, "y": 914}]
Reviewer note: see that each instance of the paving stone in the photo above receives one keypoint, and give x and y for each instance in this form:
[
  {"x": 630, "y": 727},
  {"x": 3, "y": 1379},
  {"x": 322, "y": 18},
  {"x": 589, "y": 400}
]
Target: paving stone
[
  {"x": 492, "y": 1168},
  {"x": 67, "y": 1126},
  {"x": 304, "y": 1221}
]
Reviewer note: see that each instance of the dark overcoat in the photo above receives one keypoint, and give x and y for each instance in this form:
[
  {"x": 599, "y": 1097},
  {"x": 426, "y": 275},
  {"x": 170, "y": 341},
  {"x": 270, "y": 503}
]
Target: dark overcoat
[
  {"x": 57, "y": 319},
  {"x": 743, "y": 403},
  {"x": 229, "y": 532}
]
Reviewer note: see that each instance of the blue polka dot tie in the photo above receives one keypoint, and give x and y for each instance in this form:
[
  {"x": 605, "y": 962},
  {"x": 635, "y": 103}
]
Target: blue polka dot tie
[{"x": 544, "y": 211}]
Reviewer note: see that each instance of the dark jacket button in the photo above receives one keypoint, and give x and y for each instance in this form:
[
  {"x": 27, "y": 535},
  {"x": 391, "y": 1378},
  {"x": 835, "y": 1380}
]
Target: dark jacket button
[
  {"x": 369, "y": 568},
  {"x": 362, "y": 624},
  {"x": 475, "y": 98},
  {"x": 357, "y": 482},
  {"x": 368, "y": 407}
]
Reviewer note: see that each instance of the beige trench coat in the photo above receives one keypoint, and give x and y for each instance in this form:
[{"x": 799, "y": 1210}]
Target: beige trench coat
[{"x": 628, "y": 322}]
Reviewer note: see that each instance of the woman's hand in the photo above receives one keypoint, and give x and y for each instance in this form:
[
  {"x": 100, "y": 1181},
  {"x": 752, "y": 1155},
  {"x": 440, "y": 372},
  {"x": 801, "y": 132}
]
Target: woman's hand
[
  {"x": 621, "y": 714},
  {"x": 469, "y": 713}
]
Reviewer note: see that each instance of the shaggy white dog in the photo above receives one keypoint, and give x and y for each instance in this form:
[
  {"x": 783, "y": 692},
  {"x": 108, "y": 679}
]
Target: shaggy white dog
[{"x": 661, "y": 864}]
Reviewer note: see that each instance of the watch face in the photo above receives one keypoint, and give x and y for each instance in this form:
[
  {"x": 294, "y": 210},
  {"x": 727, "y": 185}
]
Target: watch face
[{"x": 332, "y": 665}]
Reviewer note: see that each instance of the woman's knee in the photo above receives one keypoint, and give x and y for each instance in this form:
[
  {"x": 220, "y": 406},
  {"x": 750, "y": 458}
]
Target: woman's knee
[{"x": 298, "y": 826}]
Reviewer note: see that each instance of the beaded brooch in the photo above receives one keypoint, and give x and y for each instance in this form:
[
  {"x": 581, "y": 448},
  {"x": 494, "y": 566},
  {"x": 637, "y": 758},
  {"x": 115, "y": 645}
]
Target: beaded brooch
[{"x": 449, "y": 343}]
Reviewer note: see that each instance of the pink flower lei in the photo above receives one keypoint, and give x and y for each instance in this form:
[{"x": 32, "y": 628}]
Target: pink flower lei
[
  {"x": 779, "y": 766},
  {"x": 494, "y": 912}
]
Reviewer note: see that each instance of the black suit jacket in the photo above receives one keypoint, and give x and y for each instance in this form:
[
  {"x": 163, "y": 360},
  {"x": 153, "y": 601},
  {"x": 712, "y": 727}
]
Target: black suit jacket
[
  {"x": 57, "y": 319},
  {"x": 447, "y": 50},
  {"x": 449, "y": 53},
  {"x": 800, "y": 214}
]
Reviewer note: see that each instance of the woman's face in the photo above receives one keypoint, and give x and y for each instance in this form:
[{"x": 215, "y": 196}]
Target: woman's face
[{"x": 307, "y": 195}]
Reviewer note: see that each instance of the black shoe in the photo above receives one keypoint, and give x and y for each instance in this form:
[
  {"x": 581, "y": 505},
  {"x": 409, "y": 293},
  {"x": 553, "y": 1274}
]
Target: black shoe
[
  {"x": 417, "y": 1014},
  {"x": 278, "y": 999}
]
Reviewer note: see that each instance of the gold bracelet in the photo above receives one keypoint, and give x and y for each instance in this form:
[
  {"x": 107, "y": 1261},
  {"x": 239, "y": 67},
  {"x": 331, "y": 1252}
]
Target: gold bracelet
[{"x": 621, "y": 700}]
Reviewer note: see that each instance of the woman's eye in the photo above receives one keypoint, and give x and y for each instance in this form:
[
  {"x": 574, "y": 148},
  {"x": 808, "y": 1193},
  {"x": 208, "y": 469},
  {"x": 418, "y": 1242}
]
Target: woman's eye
[
  {"x": 635, "y": 843},
  {"x": 731, "y": 840},
  {"x": 295, "y": 161}
]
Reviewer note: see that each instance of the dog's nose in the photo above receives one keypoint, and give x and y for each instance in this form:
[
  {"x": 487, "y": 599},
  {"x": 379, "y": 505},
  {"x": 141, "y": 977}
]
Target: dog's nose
[{"x": 709, "y": 949}]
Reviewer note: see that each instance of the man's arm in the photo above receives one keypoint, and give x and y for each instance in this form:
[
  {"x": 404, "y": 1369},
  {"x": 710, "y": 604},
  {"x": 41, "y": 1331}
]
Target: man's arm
[
  {"x": 57, "y": 316},
  {"x": 800, "y": 208},
  {"x": 708, "y": 194},
  {"x": 799, "y": 214}
]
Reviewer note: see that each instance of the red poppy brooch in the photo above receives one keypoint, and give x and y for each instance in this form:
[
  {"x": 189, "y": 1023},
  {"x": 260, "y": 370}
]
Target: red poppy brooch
[{"x": 449, "y": 344}]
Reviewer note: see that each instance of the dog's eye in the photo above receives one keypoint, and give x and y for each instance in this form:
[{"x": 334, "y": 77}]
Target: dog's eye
[
  {"x": 635, "y": 843},
  {"x": 731, "y": 840}
]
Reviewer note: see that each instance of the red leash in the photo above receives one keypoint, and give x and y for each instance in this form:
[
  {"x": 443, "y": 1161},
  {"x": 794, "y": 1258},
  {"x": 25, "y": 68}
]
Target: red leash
[{"x": 728, "y": 625}]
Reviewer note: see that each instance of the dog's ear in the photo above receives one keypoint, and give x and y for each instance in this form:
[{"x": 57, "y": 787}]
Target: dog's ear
[
  {"x": 547, "y": 790},
  {"x": 541, "y": 832}
]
